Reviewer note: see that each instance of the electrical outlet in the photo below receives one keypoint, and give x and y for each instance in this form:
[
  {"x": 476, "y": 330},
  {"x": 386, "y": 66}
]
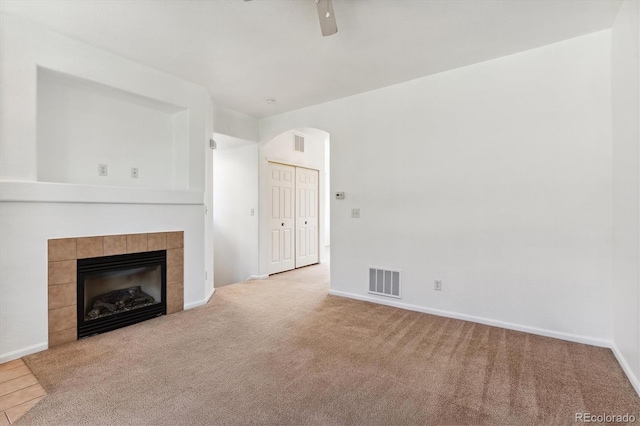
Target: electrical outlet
[
  {"x": 355, "y": 213},
  {"x": 253, "y": 212},
  {"x": 437, "y": 285},
  {"x": 103, "y": 170},
  {"x": 134, "y": 172}
]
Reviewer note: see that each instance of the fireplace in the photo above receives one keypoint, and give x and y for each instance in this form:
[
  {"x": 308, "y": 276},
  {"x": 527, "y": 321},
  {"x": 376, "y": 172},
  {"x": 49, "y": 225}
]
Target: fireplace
[
  {"x": 125, "y": 273},
  {"x": 116, "y": 291}
]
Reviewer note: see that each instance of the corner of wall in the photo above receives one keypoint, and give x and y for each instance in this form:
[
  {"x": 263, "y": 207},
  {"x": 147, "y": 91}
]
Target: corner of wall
[
  {"x": 625, "y": 82},
  {"x": 635, "y": 381}
]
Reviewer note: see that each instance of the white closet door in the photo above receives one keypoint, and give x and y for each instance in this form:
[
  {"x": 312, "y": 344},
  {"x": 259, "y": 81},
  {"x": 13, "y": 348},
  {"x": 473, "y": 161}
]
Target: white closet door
[
  {"x": 281, "y": 217},
  {"x": 306, "y": 217}
]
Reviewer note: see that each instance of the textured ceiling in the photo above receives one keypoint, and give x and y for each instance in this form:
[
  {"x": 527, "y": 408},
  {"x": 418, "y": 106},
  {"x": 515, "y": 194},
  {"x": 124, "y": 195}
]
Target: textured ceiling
[{"x": 246, "y": 52}]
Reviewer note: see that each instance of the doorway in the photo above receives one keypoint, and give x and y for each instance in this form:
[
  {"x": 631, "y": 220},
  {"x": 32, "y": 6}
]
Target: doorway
[
  {"x": 293, "y": 217},
  {"x": 305, "y": 148}
]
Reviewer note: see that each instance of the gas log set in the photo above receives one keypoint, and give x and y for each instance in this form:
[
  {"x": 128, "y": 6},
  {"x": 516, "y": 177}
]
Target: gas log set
[{"x": 118, "y": 301}]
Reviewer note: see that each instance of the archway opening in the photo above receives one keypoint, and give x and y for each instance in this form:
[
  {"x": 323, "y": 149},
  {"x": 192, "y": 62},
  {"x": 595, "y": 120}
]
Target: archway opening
[{"x": 301, "y": 149}]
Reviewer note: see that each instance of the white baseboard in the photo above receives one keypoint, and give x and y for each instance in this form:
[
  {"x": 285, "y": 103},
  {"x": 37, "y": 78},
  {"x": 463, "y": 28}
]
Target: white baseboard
[
  {"x": 201, "y": 302},
  {"x": 10, "y": 356},
  {"x": 635, "y": 382},
  {"x": 210, "y": 295},
  {"x": 258, "y": 277},
  {"x": 480, "y": 320}
]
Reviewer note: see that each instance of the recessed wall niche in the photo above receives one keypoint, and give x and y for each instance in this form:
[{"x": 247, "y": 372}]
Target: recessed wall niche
[{"x": 83, "y": 124}]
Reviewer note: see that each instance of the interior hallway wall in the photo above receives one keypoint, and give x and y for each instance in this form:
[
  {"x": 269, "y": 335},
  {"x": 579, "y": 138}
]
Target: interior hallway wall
[{"x": 235, "y": 213}]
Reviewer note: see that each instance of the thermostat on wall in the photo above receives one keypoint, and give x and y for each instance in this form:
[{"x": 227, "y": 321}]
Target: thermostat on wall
[{"x": 339, "y": 195}]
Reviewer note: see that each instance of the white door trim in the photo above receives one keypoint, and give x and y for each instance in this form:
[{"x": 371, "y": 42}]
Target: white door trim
[{"x": 289, "y": 163}]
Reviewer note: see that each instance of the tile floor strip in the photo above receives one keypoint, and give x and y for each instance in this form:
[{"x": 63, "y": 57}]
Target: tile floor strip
[{"x": 19, "y": 391}]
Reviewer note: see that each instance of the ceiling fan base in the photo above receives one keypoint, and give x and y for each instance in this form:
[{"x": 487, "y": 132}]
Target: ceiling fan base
[{"x": 327, "y": 17}]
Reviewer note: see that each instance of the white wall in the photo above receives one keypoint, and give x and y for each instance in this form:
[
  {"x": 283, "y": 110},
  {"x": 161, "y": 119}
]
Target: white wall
[
  {"x": 494, "y": 178},
  {"x": 26, "y": 46},
  {"x": 79, "y": 128},
  {"x": 32, "y": 212},
  {"x": 626, "y": 187},
  {"x": 235, "y": 196},
  {"x": 235, "y": 124},
  {"x": 279, "y": 148}
]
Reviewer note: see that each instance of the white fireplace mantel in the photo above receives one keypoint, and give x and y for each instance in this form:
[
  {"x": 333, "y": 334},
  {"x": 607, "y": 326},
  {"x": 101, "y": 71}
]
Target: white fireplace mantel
[{"x": 46, "y": 192}]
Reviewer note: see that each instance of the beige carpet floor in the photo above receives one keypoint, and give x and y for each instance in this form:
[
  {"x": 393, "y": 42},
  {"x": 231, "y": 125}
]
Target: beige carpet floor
[{"x": 282, "y": 351}]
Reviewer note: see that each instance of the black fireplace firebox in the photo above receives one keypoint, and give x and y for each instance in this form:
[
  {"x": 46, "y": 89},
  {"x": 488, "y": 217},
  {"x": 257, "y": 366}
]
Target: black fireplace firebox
[{"x": 117, "y": 291}]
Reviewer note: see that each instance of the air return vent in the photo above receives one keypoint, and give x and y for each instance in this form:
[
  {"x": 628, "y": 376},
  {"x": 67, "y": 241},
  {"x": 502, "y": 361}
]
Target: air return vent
[
  {"x": 385, "y": 282},
  {"x": 298, "y": 143}
]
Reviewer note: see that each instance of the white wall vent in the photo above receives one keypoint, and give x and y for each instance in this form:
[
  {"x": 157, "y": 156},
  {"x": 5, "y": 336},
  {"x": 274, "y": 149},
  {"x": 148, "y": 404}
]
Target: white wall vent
[
  {"x": 298, "y": 143},
  {"x": 385, "y": 282}
]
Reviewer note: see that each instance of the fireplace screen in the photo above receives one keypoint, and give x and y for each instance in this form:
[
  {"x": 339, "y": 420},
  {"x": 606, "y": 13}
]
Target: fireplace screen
[{"x": 116, "y": 291}]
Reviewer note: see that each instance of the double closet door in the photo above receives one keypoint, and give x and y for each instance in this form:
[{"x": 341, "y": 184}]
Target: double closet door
[{"x": 293, "y": 217}]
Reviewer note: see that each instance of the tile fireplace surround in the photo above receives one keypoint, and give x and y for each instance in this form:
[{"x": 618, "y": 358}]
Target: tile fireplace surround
[{"x": 62, "y": 276}]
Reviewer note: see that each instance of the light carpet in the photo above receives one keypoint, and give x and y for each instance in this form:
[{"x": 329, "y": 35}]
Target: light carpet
[{"x": 282, "y": 351}]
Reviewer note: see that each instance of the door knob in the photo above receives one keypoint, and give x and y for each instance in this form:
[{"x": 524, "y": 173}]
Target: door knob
[
  {"x": 305, "y": 222},
  {"x": 282, "y": 223}
]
